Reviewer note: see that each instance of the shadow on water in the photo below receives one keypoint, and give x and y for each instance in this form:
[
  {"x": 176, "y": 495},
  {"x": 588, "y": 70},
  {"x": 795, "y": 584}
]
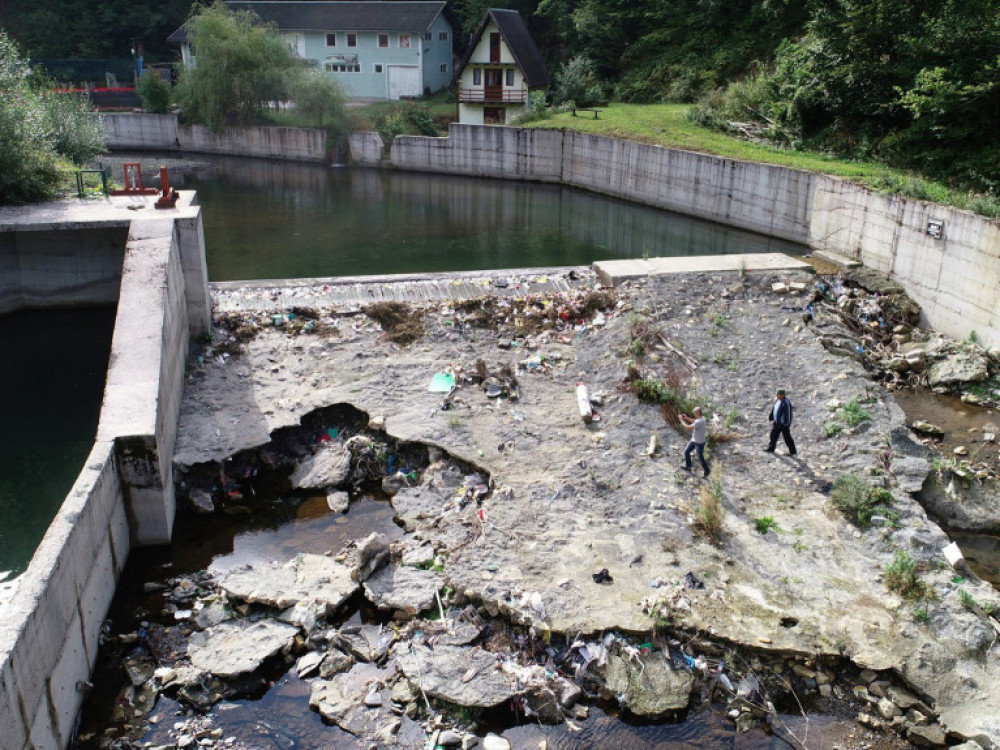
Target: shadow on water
[
  {"x": 273, "y": 220},
  {"x": 52, "y": 374}
]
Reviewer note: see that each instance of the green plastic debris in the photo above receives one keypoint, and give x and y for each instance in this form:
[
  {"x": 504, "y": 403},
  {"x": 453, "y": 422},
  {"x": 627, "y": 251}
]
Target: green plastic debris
[{"x": 442, "y": 382}]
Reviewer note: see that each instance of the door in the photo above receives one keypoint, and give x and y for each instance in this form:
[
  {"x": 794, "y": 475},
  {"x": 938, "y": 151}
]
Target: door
[
  {"x": 493, "y": 83},
  {"x": 404, "y": 80},
  {"x": 494, "y": 115}
]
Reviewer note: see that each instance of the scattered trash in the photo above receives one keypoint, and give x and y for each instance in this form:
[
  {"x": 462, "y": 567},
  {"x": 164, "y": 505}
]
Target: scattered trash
[
  {"x": 442, "y": 382},
  {"x": 602, "y": 576}
]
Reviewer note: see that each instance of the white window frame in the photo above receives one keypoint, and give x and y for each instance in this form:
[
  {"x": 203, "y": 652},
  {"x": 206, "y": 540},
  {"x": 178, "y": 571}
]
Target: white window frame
[
  {"x": 408, "y": 43},
  {"x": 378, "y": 68},
  {"x": 379, "y": 38},
  {"x": 508, "y": 78}
]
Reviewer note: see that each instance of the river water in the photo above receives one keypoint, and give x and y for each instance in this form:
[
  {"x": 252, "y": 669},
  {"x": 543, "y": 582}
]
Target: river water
[
  {"x": 52, "y": 374},
  {"x": 276, "y": 220}
]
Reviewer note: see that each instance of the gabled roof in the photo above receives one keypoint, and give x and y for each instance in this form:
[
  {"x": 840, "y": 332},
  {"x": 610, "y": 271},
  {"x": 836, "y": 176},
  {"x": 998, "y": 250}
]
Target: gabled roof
[
  {"x": 515, "y": 34},
  {"x": 342, "y": 15}
]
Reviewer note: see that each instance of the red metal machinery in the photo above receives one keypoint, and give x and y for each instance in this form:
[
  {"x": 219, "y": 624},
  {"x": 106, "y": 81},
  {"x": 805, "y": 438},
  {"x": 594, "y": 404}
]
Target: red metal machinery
[{"x": 133, "y": 181}]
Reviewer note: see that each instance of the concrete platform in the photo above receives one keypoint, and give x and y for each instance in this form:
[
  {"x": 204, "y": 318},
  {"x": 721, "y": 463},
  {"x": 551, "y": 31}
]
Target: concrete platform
[
  {"x": 92, "y": 213},
  {"x": 614, "y": 272},
  {"x": 841, "y": 261}
]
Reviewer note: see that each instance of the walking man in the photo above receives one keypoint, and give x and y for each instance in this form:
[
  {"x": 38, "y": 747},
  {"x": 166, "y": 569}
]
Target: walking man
[
  {"x": 780, "y": 417},
  {"x": 699, "y": 434}
]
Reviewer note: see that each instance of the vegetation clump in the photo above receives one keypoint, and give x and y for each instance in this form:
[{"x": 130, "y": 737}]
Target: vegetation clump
[
  {"x": 401, "y": 324},
  {"x": 708, "y": 513},
  {"x": 858, "y": 500},
  {"x": 901, "y": 576}
]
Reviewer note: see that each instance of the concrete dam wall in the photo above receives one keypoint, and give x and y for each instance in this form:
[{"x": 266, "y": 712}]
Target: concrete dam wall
[{"x": 68, "y": 253}]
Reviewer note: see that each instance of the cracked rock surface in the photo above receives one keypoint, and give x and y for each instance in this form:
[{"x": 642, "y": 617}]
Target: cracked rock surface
[{"x": 570, "y": 498}]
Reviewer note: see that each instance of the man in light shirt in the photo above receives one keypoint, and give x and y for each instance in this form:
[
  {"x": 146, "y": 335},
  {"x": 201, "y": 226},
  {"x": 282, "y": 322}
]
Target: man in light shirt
[{"x": 699, "y": 435}]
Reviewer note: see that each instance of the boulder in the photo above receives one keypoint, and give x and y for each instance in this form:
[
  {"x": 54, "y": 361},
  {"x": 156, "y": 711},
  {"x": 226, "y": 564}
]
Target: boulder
[
  {"x": 234, "y": 648},
  {"x": 330, "y": 466},
  {"x": 961, "y": 367},
  {"x": 405, "y": 589},
  {"x": 367, "y": 643},
  {"x": 651, "y": 688},
  {"x": 929, "y": 735},
  {"x": 201, "y": 501},
  {"x": 337, "y": 501},
  {"x": 306, "y": 577},
  {"x": 458, "y": 674}
]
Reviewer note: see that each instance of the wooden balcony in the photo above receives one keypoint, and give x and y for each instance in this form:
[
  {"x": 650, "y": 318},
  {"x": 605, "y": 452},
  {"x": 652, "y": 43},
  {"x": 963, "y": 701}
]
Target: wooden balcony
[{"x": 492, "y": 96}]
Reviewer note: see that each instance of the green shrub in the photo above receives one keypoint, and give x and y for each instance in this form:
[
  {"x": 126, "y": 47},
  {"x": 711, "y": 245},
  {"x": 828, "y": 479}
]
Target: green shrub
[
  {"x": 154, "y": 93},
  {"x": 857, "y": 500},
  {"x": 853, "y": 413},
  {"x": 765, "y": 524},
  {"x": 901, "y": 576}
]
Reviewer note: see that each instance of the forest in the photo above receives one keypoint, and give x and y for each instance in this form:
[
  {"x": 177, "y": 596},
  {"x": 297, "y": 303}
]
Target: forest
[{"x": 913, "y": 84}]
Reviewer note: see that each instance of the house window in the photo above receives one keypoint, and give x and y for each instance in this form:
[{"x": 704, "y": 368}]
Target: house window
[
  {"x": 383, "y": 40},
  {"x": 477, "y": 76},
  {"x": 444, "y": 67},
  {"x": 442, "y": 36},
  {"x": 510, "y": 77},
  {"x": 352, "y": 40},
  {"x": 378, "y": 67},
  {"x": 404, "y": 41},
  {"x": 428, "y": 36},
  {"x": 331, "y": 40},
  {"x": 343, "y": 67}
]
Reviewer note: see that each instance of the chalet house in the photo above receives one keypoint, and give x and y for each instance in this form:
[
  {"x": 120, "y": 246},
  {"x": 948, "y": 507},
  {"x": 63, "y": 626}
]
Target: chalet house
[
  {"x": 502, "y": 65},
  {"x": 376, "y": 50}
]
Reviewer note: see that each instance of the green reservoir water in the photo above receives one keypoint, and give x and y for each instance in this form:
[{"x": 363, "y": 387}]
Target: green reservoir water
[
  {"x": 52, "y": 376},
  {"x": 273, "y": 220}
]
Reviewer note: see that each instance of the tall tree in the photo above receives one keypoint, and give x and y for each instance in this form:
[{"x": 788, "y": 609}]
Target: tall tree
[{"x": 241, "y": 66}]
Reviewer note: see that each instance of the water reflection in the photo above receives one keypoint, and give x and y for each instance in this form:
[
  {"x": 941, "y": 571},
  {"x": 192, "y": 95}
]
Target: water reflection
[{"x": 281, "y": 220}]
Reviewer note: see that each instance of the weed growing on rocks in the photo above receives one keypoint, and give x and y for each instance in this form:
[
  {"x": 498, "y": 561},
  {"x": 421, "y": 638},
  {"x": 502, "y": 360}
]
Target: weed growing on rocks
[
  {"x": 901, "y": 576},
  {"x": 853, "y": 413},
  {"x": 859, "y": 501},
  {"x": 708, "y": 514},
  {"x": 643, "y": 335},
  {"x": 764, "y": 524}
]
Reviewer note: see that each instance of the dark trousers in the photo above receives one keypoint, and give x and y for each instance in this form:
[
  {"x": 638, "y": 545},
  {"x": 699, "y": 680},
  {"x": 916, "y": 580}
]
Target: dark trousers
[
  {"x": 700, "y": 447},
  {"x": 785, "y": 431}
]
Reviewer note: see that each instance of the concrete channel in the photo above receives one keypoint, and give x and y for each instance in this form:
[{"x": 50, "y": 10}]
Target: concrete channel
[{"x": 153, "y": 263}]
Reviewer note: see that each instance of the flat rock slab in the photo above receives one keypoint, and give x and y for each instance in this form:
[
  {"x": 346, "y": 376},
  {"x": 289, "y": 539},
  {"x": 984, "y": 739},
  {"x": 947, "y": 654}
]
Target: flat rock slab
[
  {"x": 329, "y": 466},
  {"x": 406, "y": 589},
  {"x": 651, "y": 688},
  {"x": 233, "y": 649},
  {"x": 441, "y": 673},
  {"x": 614, "y": 272},
  {"x": 306, "y": 577},
  {"x": 339, "y": 704}
]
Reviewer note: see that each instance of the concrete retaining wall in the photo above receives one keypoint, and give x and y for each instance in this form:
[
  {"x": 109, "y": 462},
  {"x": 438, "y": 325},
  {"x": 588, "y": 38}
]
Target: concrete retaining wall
[
  {"x": 127, "y": 130},
  {"x": 50, "y": 267},
  {"x": 125, "y": 494},
  {"x": 953, "y": 278},
  {"x": 48, "y": 632}
]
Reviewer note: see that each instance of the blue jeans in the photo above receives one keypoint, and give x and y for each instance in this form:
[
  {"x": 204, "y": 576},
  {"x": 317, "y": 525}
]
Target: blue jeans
[{"x": 700, "y": 447}]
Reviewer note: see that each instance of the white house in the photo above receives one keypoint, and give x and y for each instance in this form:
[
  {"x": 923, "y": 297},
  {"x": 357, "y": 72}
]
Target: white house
[
  {"x": 502, "y": 65},
  {"x": 375, "y": 49}
]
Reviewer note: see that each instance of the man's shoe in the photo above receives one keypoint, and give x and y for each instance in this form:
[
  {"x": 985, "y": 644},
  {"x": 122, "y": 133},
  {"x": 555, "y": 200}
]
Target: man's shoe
[
  {"x": 769, "y": 450},
  {"x": 686, "y": 468},
  {"x": 794, "y": 454},
  {"x": 707, "y": 472}
]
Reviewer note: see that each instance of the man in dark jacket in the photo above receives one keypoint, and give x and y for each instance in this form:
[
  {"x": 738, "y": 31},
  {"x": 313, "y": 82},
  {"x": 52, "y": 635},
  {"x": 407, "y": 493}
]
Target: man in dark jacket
[{"x": 780, "y": 417}]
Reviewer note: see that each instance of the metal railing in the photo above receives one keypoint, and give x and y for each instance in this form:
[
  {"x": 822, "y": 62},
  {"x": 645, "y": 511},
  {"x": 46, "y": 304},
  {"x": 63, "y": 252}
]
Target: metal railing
[{"x": 500, "y": 96}]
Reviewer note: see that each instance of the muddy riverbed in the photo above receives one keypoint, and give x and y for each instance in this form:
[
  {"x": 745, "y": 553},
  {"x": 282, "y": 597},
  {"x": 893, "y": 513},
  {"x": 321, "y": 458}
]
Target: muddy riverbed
[{"x": 572, "y": 569}]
